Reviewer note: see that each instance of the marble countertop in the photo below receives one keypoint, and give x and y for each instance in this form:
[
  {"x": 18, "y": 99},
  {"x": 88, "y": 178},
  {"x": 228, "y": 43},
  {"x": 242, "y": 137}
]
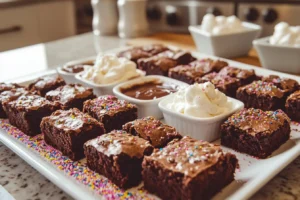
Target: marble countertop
[{"x": 24, "y": 182}]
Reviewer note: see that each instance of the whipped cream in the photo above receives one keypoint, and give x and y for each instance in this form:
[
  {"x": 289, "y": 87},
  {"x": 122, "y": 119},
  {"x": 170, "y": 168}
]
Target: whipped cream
[
  {"x": 110, "y": 69},
  {"x": 200, "y": 100},
  {"x": 286, "y": 35},
  {"x": 221, "y": 25}
]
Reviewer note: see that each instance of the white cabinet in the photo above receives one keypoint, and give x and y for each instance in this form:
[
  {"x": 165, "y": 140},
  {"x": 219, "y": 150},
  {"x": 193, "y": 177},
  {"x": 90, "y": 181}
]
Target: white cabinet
[{"x": 35, "y": 23}]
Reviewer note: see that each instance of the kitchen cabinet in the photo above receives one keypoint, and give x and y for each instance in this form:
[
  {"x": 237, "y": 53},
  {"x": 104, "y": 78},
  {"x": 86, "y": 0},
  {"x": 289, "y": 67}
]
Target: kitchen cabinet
[{"x": 36, "y": 23}]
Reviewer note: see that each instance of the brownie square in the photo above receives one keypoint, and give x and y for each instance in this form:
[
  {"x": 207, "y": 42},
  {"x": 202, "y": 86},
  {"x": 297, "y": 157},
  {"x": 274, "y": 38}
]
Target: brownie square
[
  {"x": 262, "y": 95},
  {"x": 246, "y": 76},
  {"x": 68, "y": 130},
  {"x": 111, "y": 111},
  {"x": 43, "y": 85},
  {"x": 70, "y": 96},
  {"x": 10, "y": 95},
  {"x": 287, "y": 85},
  {"x": 8, "y": 86},
  {"x": 26, "y": 112},
  {"x": 118, "y": 156},
  {"x": 162, "y": 62},
  {"x": 146, "y": 51},
  {"x": 226, "y": 84},
  {"x": 188, "y": 169},
  {"x": 189, "y": 73},
  {"x": 256, "y": 132},
  {"x": 153, "y": 130},
  {"x": 292, "y": 106}
]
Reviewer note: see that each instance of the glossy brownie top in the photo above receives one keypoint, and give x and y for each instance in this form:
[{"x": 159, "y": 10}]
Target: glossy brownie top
[
  {"x": 237, "y": 73},
  {"x": 8, "y": 86},
  {"x": 32, "y": 102},
  {"x": 153, "y": 130},
  {"x": 208, "y": 65},
  {"x": 187, "y": 70},
  {"x": 294, "y": 97},
  {"x": 108, "y": 105},
  {"x": 46, "y": 82},
  {"x": 187, "y": 156},
  {"x": 73, "y": 120},
  {"x": 286, "y": 84},
  {"x": 261, "y": 88},
  {"x": 120, "y": 142},
  {"x": 12, "y": 94},
  {"x": 64, "y": 94},
  {"x": 218, "y": 80},
  {"x": 73, "y": 68},
  {"x": 255, "y": 121}
]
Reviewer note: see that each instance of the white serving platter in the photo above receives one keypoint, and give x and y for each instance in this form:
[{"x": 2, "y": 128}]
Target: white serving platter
[{"x": 249, "y": 178}]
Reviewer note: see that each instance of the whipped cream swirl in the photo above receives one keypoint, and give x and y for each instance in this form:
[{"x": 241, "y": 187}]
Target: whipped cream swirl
[
  {"x": 286, "y": 35},
  {"x": 200, "y": 100},
  {"x": 110, "y": 69}
]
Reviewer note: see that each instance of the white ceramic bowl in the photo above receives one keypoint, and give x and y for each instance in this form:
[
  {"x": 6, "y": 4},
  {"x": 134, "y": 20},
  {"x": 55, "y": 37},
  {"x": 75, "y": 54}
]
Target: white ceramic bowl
[
  {"x": 279, "y": 58},
  {"x": 207, "y": 129},
  {"x": 70, "y": 77},
  {"x": 103, "y": 89},
  {"x": 226, "y": 45},
  {"x": 146, "y": 107}
]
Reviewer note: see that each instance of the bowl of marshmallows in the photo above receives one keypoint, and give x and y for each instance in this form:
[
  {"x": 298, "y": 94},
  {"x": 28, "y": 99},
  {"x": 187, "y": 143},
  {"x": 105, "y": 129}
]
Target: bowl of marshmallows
[
  {"x": 281, "y": 51},
  {"x": 225, "y": 37}
]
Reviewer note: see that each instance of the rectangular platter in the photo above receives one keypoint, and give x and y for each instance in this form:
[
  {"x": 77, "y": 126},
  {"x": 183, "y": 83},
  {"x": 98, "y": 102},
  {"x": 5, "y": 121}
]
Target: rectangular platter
[{"x": 81, "y": 183}]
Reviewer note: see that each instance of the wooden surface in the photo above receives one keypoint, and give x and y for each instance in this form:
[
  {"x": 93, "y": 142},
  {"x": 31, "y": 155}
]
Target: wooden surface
[{"x": 185, "y": 41}]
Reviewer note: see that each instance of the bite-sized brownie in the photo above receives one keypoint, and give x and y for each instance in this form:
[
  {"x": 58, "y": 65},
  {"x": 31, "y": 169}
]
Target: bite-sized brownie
[
  {"x": 292, "y": 106},
  {"x": 111, "y": 111},
  {"x": 70, "y": 96},
  {"x": 27, "y": 111},
  {"x": 262, "y": 95},
  {"x": 188, "y": 169},
  {"x": 246, "y": 76},
  {"x": 226, "y": 84},
  {"x": 68, "y": 130},
  {"x": 256, "y": 132},
  {"x": 286, "y": 84},
  {"x": 10, "y": 95},
  {"x": 146, "y": 51},
  {"x": 153, "y": 130},
  {"x": 8, "y": 86},
  {"x": 118, "y": 156},
  {"x": 44, "y": 84},
  {"x": 162, "y": 62},
  {"x": 189, "y": 73}
]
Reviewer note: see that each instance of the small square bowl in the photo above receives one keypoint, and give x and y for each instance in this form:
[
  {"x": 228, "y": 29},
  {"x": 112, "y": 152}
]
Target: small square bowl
[
  {"x": 279, "y": 58},
  {"x": 103, "y": 89},
  {"x": 225, "y": 45},
  {"x": 70, "y": 77},
  {"x": 207, "y": 129},
  {"x": 146, "y": 107}
]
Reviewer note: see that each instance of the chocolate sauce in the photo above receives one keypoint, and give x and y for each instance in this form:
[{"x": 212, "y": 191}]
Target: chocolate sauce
[
  {"x": 150, "y": 90},
  {"x": 76, "y": 68}
]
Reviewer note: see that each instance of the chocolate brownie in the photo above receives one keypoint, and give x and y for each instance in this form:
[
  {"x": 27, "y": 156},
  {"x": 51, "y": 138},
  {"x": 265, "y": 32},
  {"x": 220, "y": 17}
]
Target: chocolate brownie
[
  {"x": 146, "y": 51},
  {"x": 262, "y": 95},
  {"x": 8, "y": 86},
  {"x": 70, "y": 96},
  {"x": 68, "y": 130},
  {"x": 111, "y": 111},
  {"x": 292, "y": 106},
  {"x": 286, "y": 84},
  {"x": 246, "y": 76},
  {"x": 10, "y": 95},
  {"x": 188, "y": 169},
  {"x": 162, "y": 62},
  {"x": 27, "y": 111},
  {"x": 188, "y": 73},
  {"x": 118, "y": 156},
  {"x": 226, "y": 84},
  {"x": 43, "y": 85},
  {"x": 256, "y": 132},
  {"x": 153, "y": 130}
]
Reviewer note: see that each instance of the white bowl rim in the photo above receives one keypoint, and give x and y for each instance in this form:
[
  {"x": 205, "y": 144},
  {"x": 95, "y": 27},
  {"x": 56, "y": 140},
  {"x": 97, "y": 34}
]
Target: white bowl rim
[
  {"x": 74, "y": 62},
  {"x": 238, "y": 105},
  {"x": 116, "y": 89},
  {"x": 265, "y": 42},
  {"x": 78, "y": 77},
  {"x": 251, "y": 27}
]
